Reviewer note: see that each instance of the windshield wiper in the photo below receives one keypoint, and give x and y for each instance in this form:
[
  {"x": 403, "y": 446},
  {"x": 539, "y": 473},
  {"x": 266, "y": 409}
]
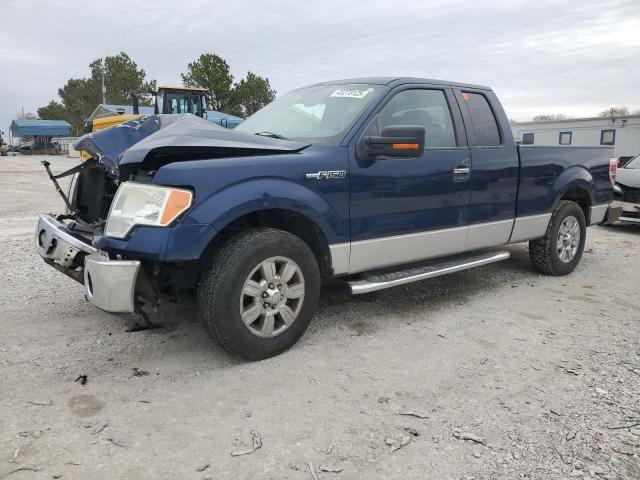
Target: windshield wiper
[{"x": 270, "y": 134}]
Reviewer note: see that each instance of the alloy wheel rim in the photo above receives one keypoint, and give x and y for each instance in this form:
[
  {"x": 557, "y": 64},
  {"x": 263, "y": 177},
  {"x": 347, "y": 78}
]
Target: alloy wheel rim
[
  {"x": 272, "y": 297},
  {"x": 568, "y": 239}
]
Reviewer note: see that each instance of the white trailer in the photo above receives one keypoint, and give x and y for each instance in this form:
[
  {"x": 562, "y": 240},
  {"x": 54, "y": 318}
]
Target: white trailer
[{"x": 623, "y": 133}]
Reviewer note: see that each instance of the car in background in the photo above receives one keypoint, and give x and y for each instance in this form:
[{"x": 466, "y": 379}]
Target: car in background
[
  {"x": 39, "y": 147},
  {"x": 627, "y": 190}
]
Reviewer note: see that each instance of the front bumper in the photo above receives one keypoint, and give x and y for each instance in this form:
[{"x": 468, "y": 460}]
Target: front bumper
[
  {"x": 630, "y": 211},
  {"x": 605, "y": 214},
  {"x": 109, "y": 284}
]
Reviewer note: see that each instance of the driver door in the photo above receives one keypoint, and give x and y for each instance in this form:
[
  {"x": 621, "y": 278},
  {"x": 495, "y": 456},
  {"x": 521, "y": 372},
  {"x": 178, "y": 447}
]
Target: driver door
[{"x": 407, "y": 210}]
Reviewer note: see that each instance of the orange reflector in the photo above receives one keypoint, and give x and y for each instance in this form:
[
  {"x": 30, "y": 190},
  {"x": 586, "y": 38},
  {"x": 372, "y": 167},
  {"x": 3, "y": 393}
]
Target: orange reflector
[
  {"x": 406, "y": 146},
  {"x": 465, "y": 95},
  {"x": 178, "y": 202}
]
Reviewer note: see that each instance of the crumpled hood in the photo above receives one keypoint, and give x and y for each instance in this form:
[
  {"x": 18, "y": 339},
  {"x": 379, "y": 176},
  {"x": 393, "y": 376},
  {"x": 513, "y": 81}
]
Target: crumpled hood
[{"x": 180, "y": 137}]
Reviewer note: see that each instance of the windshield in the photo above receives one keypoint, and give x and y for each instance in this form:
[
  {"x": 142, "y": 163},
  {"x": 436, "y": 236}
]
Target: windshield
[
  {"x": 634, "y": 162},
  {"x": 321, "y": 114}
]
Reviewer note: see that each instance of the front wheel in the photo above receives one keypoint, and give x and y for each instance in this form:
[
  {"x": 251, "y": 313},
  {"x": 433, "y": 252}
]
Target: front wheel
[
  {"x": 560, "y": 250},
  {"x": 259, "y": 293}
]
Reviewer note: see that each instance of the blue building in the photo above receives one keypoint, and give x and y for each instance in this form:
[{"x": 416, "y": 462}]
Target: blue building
[
  {"x": 40, "y": 128},
  {"x": 37, "y": 136}
]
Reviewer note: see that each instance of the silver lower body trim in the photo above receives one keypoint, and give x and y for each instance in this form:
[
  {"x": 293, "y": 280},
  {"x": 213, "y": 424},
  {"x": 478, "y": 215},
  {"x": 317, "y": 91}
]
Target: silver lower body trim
[
  {"x": 530, "y": 227},
  {"x": 340, "y": 253},
  {"x": 598, "y": 213},
  {"x": 404, "y": 249},
  {"x": 366, "y": 255},
  {"x": 489, "y": 234}
]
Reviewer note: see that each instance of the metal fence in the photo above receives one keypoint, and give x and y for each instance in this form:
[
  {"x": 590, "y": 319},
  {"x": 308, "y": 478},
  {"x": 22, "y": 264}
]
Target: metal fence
[{"x": 65, "y": 143}]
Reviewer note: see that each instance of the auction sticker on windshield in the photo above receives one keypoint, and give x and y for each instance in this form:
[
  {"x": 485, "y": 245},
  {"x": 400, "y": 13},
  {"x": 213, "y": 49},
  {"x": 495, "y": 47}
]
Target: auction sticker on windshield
[{"x": 351, "y": 93}]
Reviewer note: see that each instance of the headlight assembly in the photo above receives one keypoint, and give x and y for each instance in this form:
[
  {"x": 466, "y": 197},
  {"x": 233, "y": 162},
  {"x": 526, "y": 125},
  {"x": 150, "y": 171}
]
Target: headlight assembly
[{"x": 143, "y": 204}]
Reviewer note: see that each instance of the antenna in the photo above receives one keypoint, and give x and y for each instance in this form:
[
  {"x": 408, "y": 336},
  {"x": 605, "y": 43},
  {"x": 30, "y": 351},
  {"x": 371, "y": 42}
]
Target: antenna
[{"x": 104, "y": 89}]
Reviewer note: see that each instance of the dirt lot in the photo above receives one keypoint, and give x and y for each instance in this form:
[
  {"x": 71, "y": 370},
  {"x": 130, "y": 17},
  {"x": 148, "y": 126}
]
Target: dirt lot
[{"x": 541, "y": 375}]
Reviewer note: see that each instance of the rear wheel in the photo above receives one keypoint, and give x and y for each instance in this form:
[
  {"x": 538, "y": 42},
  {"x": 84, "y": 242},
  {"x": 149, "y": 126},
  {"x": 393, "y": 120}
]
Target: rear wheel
[
  {"x": 560, "y": 250},
  {"x": 259, "y": 293}
]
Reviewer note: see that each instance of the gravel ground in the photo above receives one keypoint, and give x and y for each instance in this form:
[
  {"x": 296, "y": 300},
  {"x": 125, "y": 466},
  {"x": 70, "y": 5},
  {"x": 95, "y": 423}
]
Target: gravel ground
[{"x": 492, "y": 373}]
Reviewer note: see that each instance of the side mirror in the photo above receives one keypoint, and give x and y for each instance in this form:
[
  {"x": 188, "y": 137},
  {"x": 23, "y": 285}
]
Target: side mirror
[{"x": 395, "y": 141}]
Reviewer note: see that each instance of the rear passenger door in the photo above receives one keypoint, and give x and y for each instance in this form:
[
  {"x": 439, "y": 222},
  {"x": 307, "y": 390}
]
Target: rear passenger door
[{"x": 494, "y": 169}]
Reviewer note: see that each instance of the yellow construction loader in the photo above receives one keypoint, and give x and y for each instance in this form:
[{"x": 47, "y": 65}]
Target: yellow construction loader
[{"x": 171, "y": 100}]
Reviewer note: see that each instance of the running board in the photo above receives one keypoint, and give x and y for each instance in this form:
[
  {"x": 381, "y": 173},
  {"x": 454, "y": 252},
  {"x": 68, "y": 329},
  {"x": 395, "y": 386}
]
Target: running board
[{"x": 373, "y": 281}]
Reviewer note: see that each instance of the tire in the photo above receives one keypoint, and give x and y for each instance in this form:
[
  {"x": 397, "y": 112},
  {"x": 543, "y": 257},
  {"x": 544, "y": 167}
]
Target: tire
[
  {"x": 554, "y": 256},
  {"x": 236, "y": 269}
]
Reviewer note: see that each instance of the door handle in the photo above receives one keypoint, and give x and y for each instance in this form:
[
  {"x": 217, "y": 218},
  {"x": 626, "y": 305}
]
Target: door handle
[{"x": 461, "y": 173}]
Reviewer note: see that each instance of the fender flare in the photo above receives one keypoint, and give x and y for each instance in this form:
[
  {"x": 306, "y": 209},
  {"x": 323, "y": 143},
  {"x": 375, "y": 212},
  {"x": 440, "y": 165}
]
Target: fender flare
[
  {"x": 239, "y": 199},
  {"x": 573, "y": 177}
]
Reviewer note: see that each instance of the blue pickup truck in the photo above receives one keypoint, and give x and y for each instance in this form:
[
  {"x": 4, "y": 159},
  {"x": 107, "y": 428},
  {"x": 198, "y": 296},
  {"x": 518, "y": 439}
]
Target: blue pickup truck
[{"x": 379, "y": 181}]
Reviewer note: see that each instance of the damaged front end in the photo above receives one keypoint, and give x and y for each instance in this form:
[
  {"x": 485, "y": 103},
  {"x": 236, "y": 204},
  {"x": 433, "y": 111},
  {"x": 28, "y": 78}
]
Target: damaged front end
[
  {"x": 125, "y": 256},
  {"x": 65, "y": 241}
]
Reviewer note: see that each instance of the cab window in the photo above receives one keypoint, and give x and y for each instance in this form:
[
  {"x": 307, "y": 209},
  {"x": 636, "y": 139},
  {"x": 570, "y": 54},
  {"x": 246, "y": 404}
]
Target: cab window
[
  {"x": 181, "y": 103},
  {"x": 422, "y": 107}
]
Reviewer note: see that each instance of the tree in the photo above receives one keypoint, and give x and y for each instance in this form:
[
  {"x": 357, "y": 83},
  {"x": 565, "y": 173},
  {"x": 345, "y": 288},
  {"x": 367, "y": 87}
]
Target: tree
[
  {"x": 614, "y": 112},
  {"x": 80, "y": 96},
  {"x": 213, "y": 73},
  {"x": 550, "y": 116},
  {"x": 53, "y": 111},
  {"x": 121, "y": 76},
  {"x": 251, "y": 94}
]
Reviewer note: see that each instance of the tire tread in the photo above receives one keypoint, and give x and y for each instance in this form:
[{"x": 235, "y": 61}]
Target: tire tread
[
  {"x": 541, "y": 250},
  {"x": 222, "y": 268}
]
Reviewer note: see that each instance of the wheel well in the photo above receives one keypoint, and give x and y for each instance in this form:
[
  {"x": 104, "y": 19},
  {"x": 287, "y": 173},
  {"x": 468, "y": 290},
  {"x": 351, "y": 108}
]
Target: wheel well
[
  {"x": 582, "y": 198},
  {"x": 293, "y": 222}
]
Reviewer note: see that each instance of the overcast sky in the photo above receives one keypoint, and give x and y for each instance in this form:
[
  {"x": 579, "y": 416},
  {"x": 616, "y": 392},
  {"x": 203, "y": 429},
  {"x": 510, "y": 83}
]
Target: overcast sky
[{"x": 571, "y": 56}]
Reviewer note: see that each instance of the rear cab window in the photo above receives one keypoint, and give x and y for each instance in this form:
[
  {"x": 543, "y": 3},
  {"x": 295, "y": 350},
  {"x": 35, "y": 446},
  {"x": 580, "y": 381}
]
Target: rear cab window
[{"x": 483, "y": 121}]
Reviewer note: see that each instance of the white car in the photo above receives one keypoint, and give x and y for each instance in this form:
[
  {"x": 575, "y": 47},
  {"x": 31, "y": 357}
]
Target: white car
[{"x": 627, "y": 189}]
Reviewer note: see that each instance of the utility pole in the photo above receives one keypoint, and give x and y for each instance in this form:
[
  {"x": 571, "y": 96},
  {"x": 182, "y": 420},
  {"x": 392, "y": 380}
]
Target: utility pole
[{"x": 104, "y": 89}]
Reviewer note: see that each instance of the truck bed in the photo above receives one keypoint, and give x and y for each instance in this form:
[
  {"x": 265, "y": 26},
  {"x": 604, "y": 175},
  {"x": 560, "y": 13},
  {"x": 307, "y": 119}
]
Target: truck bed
[{"x": 544, "y": 170}]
